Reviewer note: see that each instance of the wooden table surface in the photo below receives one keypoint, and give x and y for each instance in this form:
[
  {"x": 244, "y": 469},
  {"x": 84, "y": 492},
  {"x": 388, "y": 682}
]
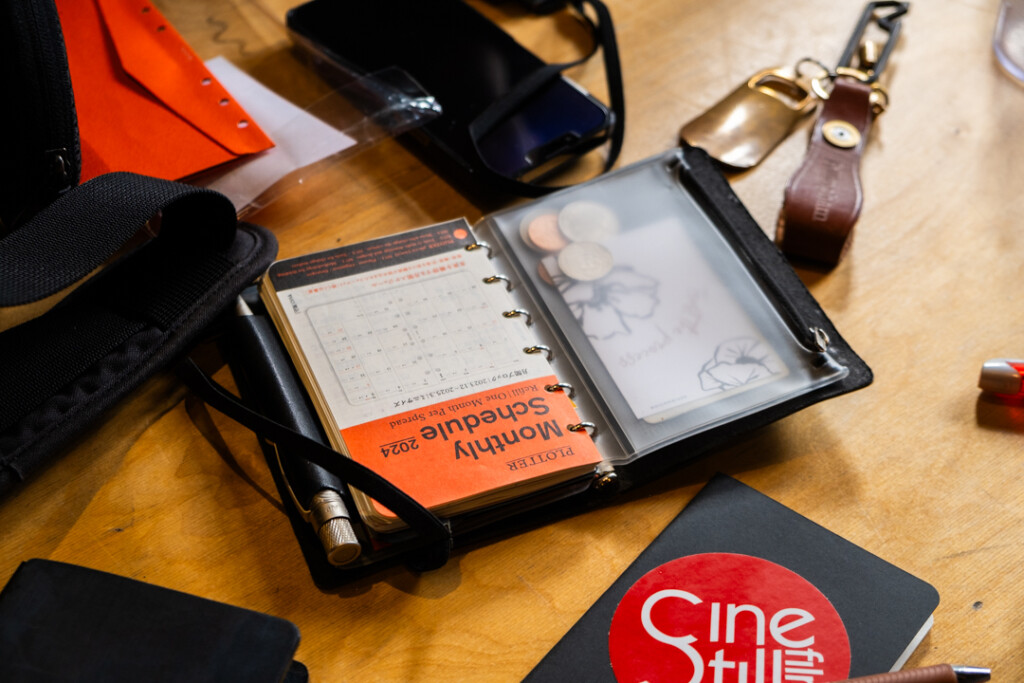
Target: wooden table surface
[{"x": 918, "y": 468}]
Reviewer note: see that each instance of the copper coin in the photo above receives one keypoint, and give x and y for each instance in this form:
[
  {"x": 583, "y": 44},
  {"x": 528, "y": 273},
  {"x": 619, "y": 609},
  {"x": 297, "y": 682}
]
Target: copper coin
[
  {"x": 539, "y": 230},
  {"x": 544, "y": 275}
]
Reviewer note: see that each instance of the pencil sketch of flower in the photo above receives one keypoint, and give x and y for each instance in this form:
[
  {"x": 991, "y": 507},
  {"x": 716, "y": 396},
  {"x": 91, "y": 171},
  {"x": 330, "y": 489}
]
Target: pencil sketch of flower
[
  {"x": 736, "y": 362},
  {"x": 605, "y": 307}
]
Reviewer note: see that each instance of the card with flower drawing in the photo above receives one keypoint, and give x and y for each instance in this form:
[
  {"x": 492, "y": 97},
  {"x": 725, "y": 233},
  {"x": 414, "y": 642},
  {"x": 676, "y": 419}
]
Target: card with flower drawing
[{"x": 665, "y": 326}]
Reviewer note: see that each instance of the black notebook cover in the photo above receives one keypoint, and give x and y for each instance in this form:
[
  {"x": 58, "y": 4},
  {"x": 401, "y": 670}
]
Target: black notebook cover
[
  {"x": 61, "y": 622},
  {"x": 885, "y": 611}
]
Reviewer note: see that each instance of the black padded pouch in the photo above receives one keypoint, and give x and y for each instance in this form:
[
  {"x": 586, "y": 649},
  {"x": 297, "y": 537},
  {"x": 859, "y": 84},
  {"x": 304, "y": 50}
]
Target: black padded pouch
[
  {"x": 41, "y": 156},
  {"x": 64, "y": 368},
  {"x": 64, "y": 622},
  {"x": 151, "y": 296}
]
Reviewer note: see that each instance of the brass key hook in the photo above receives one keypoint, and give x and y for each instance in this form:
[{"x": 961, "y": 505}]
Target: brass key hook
[
  {"x": 871, "y": 56},
  {"x": 872, "y": 59}
]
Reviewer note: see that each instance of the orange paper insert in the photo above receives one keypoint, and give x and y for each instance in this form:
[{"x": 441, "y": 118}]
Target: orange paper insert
[
  {"x": 490, "y": 444},
  {"x": 144, "y": 100}
]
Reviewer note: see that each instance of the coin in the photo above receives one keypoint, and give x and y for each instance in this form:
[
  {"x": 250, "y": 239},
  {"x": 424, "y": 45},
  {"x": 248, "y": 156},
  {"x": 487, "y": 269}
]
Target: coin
[
  {"x": 544, "y": 274},
  {"x": 540, "y": 231},
  {"x": 585, "y": 261},
  {"x": 587, "y": 221},
  {"x": 548, "y": 270}
]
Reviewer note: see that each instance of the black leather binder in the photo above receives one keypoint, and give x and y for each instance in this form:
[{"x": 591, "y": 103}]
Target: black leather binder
[{"x": 697, "y": 332}]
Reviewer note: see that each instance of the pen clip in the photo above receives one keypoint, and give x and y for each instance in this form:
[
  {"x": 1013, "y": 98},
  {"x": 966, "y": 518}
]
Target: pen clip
[{"x": 307, "y": 515}]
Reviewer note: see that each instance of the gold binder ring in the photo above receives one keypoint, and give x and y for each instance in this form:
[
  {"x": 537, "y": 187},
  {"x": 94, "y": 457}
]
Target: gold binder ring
[
  {"x": 540, "y": 348},
  {"x": 517, "y": 312},
  {"x": 480, "y": 245},
  {"x": 561, "y": 386},
  {"x": 499, "y": 278},
  {"x": 588, "y": 427}
]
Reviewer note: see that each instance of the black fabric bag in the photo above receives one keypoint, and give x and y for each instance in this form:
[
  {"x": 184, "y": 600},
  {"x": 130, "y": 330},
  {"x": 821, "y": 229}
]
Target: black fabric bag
[{"x": 153, "y": 262}]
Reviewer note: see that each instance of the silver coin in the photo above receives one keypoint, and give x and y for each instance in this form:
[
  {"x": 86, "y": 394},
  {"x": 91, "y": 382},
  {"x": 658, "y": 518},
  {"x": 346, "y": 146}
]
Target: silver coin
[
  {"x": 587, "y": 221},
  {"x": 585, "y": 261}
]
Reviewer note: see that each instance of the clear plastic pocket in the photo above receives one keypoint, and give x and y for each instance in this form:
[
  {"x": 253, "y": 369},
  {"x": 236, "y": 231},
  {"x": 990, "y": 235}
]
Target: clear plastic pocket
[{"x": 658, "y": 320}]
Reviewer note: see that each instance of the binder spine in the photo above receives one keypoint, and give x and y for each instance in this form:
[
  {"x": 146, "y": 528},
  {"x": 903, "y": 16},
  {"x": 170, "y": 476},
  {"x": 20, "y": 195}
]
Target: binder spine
[{"x": 582, "y": 426}]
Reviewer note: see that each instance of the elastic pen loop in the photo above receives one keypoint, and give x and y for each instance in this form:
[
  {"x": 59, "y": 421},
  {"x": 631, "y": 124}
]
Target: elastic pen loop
[{"x": 434, "y": 532}]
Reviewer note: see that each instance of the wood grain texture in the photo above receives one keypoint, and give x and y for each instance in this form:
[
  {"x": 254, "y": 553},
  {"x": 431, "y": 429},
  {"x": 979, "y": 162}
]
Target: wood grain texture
[{"x": 918, "y": 468}]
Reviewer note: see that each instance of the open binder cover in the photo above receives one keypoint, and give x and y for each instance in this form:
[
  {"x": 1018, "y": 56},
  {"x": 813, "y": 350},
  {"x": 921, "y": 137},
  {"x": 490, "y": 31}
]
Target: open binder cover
[
  {"x": 674, "y": 316},
  {"x": 560, "y": 353}
]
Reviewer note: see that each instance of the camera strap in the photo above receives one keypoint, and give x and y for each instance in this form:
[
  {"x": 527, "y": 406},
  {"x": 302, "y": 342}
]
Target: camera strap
[{"x": 603, "y": 32}]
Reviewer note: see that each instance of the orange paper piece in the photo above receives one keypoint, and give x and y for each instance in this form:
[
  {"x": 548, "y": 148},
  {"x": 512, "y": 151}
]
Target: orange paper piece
[
  {"x": 145, "y": 101},
  {"x": 448, "y": 453}
]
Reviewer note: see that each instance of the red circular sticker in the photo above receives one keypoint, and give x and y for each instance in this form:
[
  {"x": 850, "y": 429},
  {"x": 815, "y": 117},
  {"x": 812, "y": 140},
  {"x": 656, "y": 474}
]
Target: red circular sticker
[
  {"x": 460, "y": 233},
  {"x": 726, "y": 618}
]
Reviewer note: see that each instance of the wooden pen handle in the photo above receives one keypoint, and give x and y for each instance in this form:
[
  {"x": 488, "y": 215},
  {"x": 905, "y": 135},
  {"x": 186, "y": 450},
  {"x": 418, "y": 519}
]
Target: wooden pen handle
[{"x": 940, "y": 673}]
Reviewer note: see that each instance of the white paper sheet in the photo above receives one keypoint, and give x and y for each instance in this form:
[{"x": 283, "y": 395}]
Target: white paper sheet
[{"x": 300, "y": 138}]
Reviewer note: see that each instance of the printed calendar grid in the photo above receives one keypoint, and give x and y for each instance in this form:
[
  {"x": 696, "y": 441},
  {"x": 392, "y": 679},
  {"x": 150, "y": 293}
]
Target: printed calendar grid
[{"x": 388, "y": 343}]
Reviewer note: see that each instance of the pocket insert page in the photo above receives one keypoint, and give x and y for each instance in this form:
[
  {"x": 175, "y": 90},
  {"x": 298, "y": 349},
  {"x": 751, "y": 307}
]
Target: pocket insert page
[{"x": 666, "y": 328}]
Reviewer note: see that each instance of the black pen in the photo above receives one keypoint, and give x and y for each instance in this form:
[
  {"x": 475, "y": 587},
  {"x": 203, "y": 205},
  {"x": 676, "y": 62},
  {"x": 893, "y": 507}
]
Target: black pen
[{"x": 269, "y": 377}]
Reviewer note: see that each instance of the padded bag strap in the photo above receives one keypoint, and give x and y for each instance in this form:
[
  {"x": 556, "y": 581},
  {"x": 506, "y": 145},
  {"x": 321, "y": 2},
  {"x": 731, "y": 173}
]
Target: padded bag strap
[
  {"x": 79, "y": 231},
  {"x": 604, "y": 37},
  {"x": 63, "y": 368}
]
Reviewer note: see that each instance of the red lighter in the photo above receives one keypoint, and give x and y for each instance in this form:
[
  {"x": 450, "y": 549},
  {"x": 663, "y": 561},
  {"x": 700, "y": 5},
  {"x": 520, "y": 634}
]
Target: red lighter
[{"x": 1003, "y": 376}]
